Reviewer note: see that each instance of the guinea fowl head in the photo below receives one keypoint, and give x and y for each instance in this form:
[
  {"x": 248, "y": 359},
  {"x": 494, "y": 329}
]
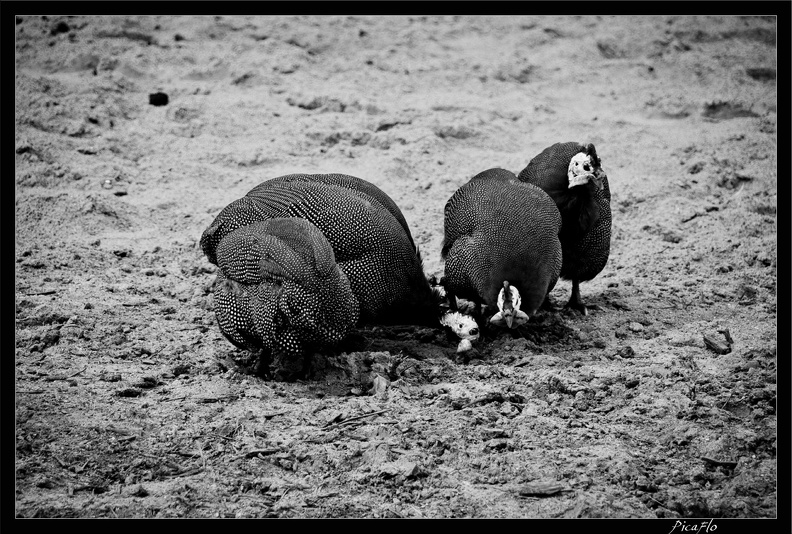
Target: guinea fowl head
[
  {"x": 584, "y": 169},
  {"x": 463, "y": 326},
  {"x": 509, "y": 311}
]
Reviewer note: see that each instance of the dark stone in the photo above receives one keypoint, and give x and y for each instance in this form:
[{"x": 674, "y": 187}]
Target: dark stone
[
  {"x": 158, "y": 99},
  {"x": 60, "y": 27},
  {"x": 129, "y": 392}
]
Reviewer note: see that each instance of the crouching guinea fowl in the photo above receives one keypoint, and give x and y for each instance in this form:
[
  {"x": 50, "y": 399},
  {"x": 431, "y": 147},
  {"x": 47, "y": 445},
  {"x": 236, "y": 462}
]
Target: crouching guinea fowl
[
  {"x": 367, "y": 232},
  {"x": 501, "y": 245},
  {"x": 279, "y": 292},
  {"x": 571, "y": 173}
]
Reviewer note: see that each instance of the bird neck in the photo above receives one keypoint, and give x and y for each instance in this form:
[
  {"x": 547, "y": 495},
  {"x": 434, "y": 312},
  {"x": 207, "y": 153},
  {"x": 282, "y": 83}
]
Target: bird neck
[{"x": 579, "y": 208}]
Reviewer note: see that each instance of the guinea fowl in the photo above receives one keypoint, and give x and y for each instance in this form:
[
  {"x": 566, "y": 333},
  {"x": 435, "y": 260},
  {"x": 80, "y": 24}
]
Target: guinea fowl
[
  {"x": 367, "y": 232},
  {"x": 501, "y": 245},
  {"x": 279, "y": 292},
  {"x": 571, "y": 173}
]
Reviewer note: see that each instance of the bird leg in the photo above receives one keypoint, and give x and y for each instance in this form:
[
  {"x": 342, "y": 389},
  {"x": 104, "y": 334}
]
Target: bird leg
[
  {"x": 452, "y": 301},
  {"x": 574, "y": 301},
  {"x": 547, "y": 305},
  {"x": 262, "y": 368}
]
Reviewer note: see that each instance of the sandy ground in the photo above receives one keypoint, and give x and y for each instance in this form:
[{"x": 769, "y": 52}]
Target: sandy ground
[{"x": 130, "y": 403}]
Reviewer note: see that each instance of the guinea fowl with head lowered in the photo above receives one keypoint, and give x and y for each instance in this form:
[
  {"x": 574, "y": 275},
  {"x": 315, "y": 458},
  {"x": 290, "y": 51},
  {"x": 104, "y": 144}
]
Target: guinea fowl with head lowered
[
  {"x": 501, "y": 245},
  {"x": 571, "y": 173},
  {"x": 279, "y": 292},
  {"x": 371, "y": 245},
  {"x": 369, "y": 237}
]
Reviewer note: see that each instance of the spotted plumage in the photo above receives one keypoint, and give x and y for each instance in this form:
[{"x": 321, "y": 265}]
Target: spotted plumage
[
  {"x": 369, "y": 237},
  {"x": 585, "y": 210},
  {"x": 499, "y": 229},
  {"x": 279, "y": 291}
]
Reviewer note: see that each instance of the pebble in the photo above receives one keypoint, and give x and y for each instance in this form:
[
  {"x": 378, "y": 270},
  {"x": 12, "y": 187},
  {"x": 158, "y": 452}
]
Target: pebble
[
  {"x": 636, "y": 327},
  {"x": 158, "y": 99},
  {"x": 632, "y": 382}
]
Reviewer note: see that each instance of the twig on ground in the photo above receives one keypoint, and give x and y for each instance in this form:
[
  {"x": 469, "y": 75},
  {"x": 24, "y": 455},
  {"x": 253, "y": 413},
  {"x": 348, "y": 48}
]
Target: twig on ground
[
  {"x": 661, "y": 505},
  {"x": 185, "y": 473},
  {"x": 53, "y": 378},
  {"x": 724, "y": 463},
  {"x": 78, "y": 372},
  {"x": 207, "y": 400},
  {"x": 176, "y": 398},
  {"x": 260, "y": 452},
  {"x": 727, "y": 335},
  {"x": 489, "y": 397},
  {"x": 355, "y": 418},
  {"x": 727, "y": 400}
]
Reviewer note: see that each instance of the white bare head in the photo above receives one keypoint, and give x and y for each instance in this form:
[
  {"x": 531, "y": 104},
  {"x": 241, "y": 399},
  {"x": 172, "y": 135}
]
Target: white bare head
[
  {"x": 464, "y": 326},
  {"x": 582, "y": 169},
  {"x": 509, "y": 312}
]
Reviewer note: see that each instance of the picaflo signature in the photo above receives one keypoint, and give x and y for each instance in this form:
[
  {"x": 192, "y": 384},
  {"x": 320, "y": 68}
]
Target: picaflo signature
[{"x": 703, "y": 526}]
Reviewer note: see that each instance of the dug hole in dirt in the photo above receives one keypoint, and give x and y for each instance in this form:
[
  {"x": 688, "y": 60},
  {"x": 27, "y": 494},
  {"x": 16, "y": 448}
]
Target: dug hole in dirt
[{"x": 132, "y": 133}]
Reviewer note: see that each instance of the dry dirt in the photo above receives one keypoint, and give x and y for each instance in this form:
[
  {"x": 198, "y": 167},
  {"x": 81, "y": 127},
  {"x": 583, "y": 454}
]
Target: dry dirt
[{"x": 130, "y": 403}]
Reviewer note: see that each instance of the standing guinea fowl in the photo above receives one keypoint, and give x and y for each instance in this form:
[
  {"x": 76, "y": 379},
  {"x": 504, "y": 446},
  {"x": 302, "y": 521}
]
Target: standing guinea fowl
[
  {"x": 501, "y": 245},
  {"x": 366, "y": 230},
  {"x": 279, "y": 292},
  {"x": 571, "y": 173}
]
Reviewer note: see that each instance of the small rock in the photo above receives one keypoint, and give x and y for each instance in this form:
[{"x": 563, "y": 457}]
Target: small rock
[
  {"x": 632, "y": 382},
  {"x": 139, "y": 491},
  {"x": 129, "y": 392},
  {"x": 644, "y": 484},
  {"x": 158, "y": 99},
  {"x": 110, "y": 377},
  {"x": 745, "y": 176},
  {"x": 636, "y": 327},
  {"x": 491, "y": 433},
  {"x": 541, "y": 489},
  {"x": 180, "y": 369},
  {"x": 380, "y": 385},
  {"x": 60, "y": 27},
  {"x": 400, "y": 468}
]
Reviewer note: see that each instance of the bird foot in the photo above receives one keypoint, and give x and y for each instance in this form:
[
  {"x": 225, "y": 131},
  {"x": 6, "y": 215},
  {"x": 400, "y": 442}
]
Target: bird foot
[{"x": 578, "y": 306}]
